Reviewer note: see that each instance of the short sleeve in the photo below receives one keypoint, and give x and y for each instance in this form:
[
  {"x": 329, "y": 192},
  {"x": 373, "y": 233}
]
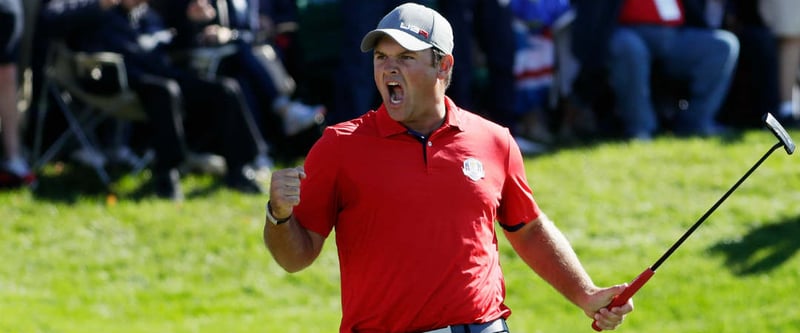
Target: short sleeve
[
  {"x": 517, "y": 205},
  {"x": 318, "y": 191}
]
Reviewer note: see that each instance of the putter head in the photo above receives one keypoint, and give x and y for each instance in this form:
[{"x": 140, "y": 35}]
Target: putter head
[{"x": 779, "y": 132}]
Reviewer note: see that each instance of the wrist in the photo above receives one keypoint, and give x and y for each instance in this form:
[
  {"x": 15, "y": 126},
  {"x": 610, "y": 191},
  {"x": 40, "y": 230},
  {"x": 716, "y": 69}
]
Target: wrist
[{"x": 275, "y": 219}]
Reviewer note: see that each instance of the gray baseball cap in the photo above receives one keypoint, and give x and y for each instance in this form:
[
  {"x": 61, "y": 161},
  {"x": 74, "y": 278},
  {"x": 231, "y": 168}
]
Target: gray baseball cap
[{"x": 413, "y": 26}]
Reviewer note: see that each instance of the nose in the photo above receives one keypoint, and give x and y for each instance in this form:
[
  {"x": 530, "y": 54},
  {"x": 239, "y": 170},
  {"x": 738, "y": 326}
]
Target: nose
[{"x": 390, "y": 65}]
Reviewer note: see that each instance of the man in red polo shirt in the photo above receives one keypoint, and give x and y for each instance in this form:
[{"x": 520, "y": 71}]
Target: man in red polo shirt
[{"x": 413, "y": 190}]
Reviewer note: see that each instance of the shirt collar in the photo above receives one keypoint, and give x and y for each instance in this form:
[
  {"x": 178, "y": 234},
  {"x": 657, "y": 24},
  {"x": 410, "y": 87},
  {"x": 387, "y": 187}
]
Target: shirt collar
[{"x": 388, "y": 126}]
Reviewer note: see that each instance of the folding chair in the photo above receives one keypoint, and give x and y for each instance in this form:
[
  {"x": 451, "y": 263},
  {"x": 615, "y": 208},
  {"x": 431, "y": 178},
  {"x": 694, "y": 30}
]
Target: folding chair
[
  {"x": 98, "y": 81},
  {"x": 205, "y": 61}
]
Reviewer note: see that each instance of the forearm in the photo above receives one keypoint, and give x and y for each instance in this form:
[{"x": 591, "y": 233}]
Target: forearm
[
  {"x": 545, "y": 249},
  {"x": 292, "y": 246}
]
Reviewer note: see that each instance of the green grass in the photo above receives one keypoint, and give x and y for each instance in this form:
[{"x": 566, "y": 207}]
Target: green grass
[{"x": 76, "y": 261}]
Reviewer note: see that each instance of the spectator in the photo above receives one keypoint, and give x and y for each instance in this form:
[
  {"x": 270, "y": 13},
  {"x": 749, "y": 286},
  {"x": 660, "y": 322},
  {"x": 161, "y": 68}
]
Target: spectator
[
  {"x": 781, "y": 16},
  {"x": 483, "y": 76},
  {"x": 486, "y": 34},
  {"x": 630, "y": 38},
  {"x": 201, "y": 24},
  {"x": 279, "y": 22},
  {"x": 758, "y": 62},
  {"x": 14, "y": 170},
  {"x": 312, "y": 53},
  {"x": 211, "y": 111},
  {"x": 534, "y": 66},
  {"x": 413, "y": 191}
]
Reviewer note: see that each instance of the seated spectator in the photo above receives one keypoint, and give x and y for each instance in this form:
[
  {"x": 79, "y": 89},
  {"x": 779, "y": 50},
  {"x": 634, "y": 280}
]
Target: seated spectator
[
  {"x": 210, "y": 111},
  {"x": 200, "y": 24},
  {"x": 629, "y": 38},
  {"x": 14, "y": 170}
]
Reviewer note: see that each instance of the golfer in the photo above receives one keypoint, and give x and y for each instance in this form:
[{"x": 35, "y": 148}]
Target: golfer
[{"x": 413, "y": 190}]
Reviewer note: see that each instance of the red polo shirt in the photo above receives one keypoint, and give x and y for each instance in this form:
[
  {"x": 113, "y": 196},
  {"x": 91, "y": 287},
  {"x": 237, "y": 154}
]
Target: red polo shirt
[{"x": 415, "y": 221}]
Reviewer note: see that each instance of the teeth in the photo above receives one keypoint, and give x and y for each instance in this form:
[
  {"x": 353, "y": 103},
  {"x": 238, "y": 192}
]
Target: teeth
[{"x": 394, "y": 89}]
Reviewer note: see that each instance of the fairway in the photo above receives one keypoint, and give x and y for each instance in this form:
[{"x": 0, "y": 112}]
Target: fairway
[{"x": 75, "y": 261}]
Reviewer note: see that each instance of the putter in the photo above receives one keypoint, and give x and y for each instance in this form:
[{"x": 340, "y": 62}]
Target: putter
[{"x": 783, "y": 141}]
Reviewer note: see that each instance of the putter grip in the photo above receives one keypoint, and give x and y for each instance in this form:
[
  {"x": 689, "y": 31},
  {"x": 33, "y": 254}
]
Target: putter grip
[{"x": 626, "y": 294}]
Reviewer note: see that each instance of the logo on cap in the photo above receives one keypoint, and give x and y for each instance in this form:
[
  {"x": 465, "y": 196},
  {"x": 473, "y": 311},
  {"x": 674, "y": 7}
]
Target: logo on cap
[{"x": 414, "y": 29}]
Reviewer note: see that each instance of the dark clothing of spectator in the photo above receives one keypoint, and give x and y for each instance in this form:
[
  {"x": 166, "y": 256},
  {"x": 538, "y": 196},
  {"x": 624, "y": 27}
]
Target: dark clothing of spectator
[
  {"x": 485, "y": 27},
  {"x": 758, "y": 62},
  {"x": 624, "y": 54},
  {"x": 212, "y": 109},
  {"x": 268, "y": 101}
]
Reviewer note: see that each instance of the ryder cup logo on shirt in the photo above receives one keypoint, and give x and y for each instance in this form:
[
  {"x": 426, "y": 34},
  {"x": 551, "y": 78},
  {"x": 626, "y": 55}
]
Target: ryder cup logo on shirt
[{"x": 473, "y": 169}]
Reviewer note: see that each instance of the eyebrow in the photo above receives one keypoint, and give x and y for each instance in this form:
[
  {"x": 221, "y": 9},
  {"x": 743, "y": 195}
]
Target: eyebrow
[{"x": 406, "y": 52}]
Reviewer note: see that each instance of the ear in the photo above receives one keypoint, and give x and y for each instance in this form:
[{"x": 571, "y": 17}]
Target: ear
[{"x": 446, "y": 65}]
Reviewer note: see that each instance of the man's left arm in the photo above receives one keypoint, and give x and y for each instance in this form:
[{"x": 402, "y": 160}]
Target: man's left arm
[{"x": 546, "y": 250}]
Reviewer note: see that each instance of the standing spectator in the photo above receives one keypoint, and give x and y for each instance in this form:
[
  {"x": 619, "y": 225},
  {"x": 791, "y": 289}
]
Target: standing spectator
[
  {"x": 781, "y": 16},
  {"x": 534, "y": 65},
  {"x": 629, "y": 38},
  {"x": 489, "y": 36},
  {"x": 413, "y": 190},
  {"x": 486, "y": 30},
  {"x": 758, "y": 62},
  {"x": 14, "y": 170}
]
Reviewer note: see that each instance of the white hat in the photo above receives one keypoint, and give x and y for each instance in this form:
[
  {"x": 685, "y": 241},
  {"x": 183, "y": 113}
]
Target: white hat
[{"x": 413, "y": 26}]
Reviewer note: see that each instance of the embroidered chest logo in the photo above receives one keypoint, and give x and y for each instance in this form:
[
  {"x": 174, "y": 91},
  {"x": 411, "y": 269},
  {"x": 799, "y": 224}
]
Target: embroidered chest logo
[{"x": 473, "y": 169}]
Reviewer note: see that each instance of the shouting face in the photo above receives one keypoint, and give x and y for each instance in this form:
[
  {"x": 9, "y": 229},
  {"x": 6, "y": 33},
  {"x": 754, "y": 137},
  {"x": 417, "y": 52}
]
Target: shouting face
[{"x": 410, "y": 85}]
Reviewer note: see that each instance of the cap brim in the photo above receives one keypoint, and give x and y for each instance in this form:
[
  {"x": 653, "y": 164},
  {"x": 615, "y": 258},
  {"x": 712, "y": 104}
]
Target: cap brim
[{"x": 405, "y": 40}]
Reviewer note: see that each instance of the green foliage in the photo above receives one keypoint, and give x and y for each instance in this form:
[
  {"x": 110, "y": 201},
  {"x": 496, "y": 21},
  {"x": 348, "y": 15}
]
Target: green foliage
[{"x": 78, "y": 261}]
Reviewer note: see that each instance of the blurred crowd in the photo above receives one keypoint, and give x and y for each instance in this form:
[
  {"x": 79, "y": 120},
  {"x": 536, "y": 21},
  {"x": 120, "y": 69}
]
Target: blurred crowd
[{"x": 233, "y": 86}]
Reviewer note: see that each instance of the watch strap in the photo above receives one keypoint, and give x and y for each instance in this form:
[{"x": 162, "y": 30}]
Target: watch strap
[{"x": 271, "y": 218}]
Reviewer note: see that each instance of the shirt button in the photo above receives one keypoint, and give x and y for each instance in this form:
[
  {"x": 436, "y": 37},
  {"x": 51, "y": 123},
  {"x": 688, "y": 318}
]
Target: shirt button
[{"x": 430, "y": 144}]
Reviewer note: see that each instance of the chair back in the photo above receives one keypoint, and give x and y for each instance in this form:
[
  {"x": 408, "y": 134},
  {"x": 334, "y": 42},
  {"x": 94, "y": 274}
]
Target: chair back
[{"x": 99, "y": 79}]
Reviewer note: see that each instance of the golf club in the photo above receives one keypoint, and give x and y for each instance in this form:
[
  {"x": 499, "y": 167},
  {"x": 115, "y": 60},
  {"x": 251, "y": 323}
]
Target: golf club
[{"x": 783, "y": 141}]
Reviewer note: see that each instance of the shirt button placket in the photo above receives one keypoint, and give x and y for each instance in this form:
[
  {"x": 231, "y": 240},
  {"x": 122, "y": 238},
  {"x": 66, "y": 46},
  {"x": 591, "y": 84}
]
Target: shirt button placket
[{"x": 428, "y": 153}]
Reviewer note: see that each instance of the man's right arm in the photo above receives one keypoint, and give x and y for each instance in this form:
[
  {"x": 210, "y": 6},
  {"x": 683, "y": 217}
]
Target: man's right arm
[{"x": 293, "y": 246}]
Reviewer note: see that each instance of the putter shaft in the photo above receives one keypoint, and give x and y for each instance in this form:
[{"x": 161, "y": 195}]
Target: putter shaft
[{"x": 784, "y": 141}]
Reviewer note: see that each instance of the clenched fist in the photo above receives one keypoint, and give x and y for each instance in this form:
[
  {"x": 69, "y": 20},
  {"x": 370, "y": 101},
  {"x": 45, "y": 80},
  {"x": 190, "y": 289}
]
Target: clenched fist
[{"x": 284, "y": 190}]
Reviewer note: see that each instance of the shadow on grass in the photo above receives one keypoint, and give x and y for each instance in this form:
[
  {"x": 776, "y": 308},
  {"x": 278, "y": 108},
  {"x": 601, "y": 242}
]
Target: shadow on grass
[
  {"x": 732, "y": 135},
  {"x": 69, "y": 183},
  {"x": 762, "y": 249}
]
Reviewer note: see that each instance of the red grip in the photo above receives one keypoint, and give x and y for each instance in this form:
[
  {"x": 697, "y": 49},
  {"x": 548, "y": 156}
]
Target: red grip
[{"x": 626, "y": 294}]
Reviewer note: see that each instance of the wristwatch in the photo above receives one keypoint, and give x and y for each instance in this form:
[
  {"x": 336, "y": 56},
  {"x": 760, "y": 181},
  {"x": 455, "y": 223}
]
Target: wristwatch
[{"x": 273, "y": 219}]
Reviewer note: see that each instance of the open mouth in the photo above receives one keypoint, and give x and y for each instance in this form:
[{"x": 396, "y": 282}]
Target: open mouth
[{"x": 396, "y": 92}]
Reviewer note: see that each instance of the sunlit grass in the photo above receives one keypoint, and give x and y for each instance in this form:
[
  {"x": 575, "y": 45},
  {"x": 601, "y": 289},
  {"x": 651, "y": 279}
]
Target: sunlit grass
[{"x": 76, "y": 260}]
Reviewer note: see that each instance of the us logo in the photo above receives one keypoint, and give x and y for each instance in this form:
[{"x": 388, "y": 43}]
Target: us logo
[{"x": 473, "y": 169}]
